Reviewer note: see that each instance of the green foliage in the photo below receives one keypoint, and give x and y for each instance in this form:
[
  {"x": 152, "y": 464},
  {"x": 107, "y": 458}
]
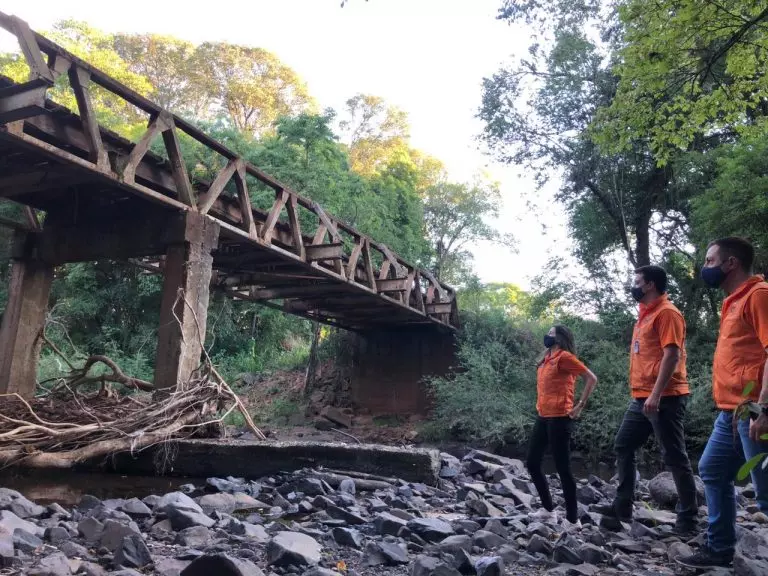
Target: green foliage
[{"x": 687, "y": 69}]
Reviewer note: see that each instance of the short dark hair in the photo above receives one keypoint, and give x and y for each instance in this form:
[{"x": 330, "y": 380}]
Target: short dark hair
[
  {"x": 739, "y": 248},
  {"x": 655, "y": 274}
]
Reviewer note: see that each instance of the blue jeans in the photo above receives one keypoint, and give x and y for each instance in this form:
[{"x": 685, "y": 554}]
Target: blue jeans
[{"x": 719, "y": 464}]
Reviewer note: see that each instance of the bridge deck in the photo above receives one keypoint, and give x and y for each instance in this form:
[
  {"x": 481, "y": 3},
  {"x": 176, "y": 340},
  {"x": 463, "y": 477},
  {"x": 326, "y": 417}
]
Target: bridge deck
[{"x": 98, "y": 190}]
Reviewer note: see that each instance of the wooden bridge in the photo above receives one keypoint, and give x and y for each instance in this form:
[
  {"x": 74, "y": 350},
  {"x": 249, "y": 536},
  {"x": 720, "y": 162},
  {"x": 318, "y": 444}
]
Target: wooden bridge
[{"x": 91, "y": 194}]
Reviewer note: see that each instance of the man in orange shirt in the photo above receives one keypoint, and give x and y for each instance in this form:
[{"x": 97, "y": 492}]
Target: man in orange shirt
[
  {"x": 659, "y": 387},
  {"x": 739, "y": 372}
]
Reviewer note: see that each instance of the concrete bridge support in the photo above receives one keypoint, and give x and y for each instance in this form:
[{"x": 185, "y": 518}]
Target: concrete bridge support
[
  {"x": 24, "y": 317},
  {"x": 389, "y": 368}
]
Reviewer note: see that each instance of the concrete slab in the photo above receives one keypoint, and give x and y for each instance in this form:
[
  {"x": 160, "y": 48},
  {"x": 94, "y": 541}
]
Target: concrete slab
[{"x": 254, "y": 459}]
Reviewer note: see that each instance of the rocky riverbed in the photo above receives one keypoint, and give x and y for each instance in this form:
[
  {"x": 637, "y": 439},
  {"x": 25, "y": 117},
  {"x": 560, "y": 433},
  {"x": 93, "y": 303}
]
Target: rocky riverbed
[{"x": 480, "y": 519}]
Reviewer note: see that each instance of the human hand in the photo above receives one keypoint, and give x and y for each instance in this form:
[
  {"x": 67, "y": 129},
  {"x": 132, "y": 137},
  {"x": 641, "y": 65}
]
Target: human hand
[
  {"x": 758, "y": 428},
  {"x": 651, "y": 405}
]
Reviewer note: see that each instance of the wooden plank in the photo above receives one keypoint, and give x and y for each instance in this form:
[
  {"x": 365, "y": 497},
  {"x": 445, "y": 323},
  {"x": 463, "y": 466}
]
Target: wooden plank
[
  {"x": 274, "y": 216},
  {"x": 245, "y": 200},
  {"x": 293, "y": 291},
  {"x": 418, "y": 294},
  {"x": 368, "y": 264},
  {"x": 442, "y": 294},
  {"x": 293, "y": 220},
  {"x": 353, "y": 258},
  {"x": 22, "y": 101},
  {"x": 184, "y": 191},
  {"x": 79, "y": 80},
  {"x": 440, "y": 308},
  {"x": 156, "y": 125},
  {"x": 384, "y": 270},
  {"x": 326, "y": 221},
  {"x": 392, "y": 285},
  {"x": 207, "y": 198},
  {"x": 319, "y": 234},
  {"x": 324, "y": 252},
  {"x": 38, "y": 68},
  {"x": 32, "y": 218}
]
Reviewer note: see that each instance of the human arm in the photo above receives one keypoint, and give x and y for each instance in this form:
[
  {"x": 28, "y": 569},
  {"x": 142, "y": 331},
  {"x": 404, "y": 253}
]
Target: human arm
[
  {"x": 590, "y": 381},
  {"x": 757, "y": 315},
  {"x": 666, "y": 369}
]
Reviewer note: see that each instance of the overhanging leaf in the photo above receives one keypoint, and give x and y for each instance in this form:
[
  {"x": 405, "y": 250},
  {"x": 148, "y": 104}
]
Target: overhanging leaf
[
  {"x": 748, "y": 466},
  {"x": 748, "y": 389}
]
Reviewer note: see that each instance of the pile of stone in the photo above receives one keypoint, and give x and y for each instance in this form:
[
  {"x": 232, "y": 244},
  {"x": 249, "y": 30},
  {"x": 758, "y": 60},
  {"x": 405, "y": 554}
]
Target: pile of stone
[{"x": 480, "y": 519}]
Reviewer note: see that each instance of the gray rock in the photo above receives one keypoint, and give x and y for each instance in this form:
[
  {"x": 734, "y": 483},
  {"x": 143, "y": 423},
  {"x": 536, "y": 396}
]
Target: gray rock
[
  {"x": 538, "y": 545},
  {"x": 348, "y": 537},
  {"x": 654, "y": 518},
  {"x": 744, "y": 566},
  {"x": 181, "y": 519},
  {"x": 6, "y": 549},
  {"x": 677, "y": 550},
  {"x": 221, "y": 565},
  {"x": 588, "y": 495},
  {"x": 484, "y": 508},
  {"x": 170, "y": 566},
  {"x": 56, "y": 510},
  {"x": 317, "y": 571},
  {"x": 489, "y": 566},
  {"x": 24, "y": 508},
  {"x": 88, "y": 502},
  {"x": 385, "y": 553},
  {"x": 486, "y": 540},
  {"x": 346, "y": 515},
  {"x": 74, "y": 550},
  {"x": 177, "y": 501},
  {"x": 663, "y": 491},
  {"x": 578, "y": 570},
  {"x": 54, "y": 565},
  {"x": 56, "y": 534},
  {"x": 133, "y": 552},
  {"x": 508, "y": 488},
  {"x": 563, "y": 554},
  {"x": 161, "y": 529},
  {"x": 453, "y": 544},
  {"x": 135, "y": 508},
  {"x": 91, "y": 569},
  {"x": 388, "y": 524},
  {"x": 194, "y": 537},
  {"x": 592, "y": 554},
  {"x": 430, "y": 529},
  {"x": 113, "y": 533},
  {"x": 221, "y": 502},
  {"x": 293, "y": 549},
  {"x": 246, "y": 503},
  {"x": 632, "y": 546},
  {"x": 25, "y": 541},
  {"x": 347, "y": 486},
  {"x": 10, "y": 522},
  {"x": 428, "y": 566},
  {"x": 539, "y": 528},
  {"x": 496, "y": 527},
  {"x": 256, "y": 532},
  {"x": 90, "y": 529}
]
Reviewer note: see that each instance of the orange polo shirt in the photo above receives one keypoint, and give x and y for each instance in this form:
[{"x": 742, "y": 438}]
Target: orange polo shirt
[
  {"x": 740, "y": 354},
  {"x": 659, "y": 325},
  {"x": 556, "y": 382}
]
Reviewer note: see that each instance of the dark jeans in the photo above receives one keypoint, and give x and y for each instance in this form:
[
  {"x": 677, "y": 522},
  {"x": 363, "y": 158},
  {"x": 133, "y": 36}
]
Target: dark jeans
[
  {"x": 555, "y": 433},
  {"x": 667, "y": 425}
]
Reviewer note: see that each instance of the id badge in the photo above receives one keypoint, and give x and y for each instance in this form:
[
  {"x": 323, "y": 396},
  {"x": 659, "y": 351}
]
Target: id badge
[{"x": 636, "y": 347}]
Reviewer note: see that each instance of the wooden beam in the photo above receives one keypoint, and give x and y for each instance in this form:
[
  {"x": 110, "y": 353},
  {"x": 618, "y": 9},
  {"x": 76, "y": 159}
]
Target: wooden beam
[
  {"x": 353, "y": 258},
  {"x": 22, "y": 101},
  {"x": 293, "y": 291},
  {"x": 157, "y": 124},
  {"x": 440, "y": 308},
  {"x": 245, "y": 200},
  {"x": 38, "y": 67},
  {"x": 210, "y": 196},
  {"x": 324, "y": 252},
  {"x": 293, "y": 221},
  {"x": 274, "y": 215},
  {"x": 368, "y": 264},
  {"x": 79, "y": 80},
  {"x": 184, "y": 192},
  {"x": 392, "y": 285}
]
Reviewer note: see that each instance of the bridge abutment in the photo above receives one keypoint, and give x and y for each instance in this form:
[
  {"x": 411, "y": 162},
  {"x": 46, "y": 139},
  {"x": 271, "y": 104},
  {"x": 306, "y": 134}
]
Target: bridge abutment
[
  {"x": 389, "y": 368},
  {"x": 24, "y": 317}
]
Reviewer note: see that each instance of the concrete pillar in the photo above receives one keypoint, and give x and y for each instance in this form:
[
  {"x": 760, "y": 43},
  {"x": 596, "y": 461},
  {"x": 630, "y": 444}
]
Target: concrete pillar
[
  {"x": 389, "y": 368},
  {"x": 184, "y": 307},
  {"x": 24, "y": 318}
]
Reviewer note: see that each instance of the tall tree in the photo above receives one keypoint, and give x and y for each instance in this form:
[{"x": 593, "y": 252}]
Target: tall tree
[{"x": 688, "y": 69}]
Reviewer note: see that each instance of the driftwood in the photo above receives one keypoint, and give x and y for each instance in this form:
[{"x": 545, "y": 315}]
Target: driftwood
[
  {"x": 66, "y": 426},
  {"x": 334, "y": 480}
]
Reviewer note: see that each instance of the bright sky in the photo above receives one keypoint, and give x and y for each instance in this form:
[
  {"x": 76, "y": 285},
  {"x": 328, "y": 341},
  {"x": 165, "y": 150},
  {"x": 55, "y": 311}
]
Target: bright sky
[{"x": 427, "y": 57}]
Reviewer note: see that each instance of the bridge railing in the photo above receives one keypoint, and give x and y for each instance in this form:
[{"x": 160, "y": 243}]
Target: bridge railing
[{"x": 23, "y": 114}]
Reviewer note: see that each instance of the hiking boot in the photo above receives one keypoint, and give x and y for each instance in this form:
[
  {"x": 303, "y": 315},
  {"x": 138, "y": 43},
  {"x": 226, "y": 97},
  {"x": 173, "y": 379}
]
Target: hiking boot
[
  {"x": 686, "y": 526},
  {"x": 706, "y": 558},
  {"x": 612, "y": 511}
]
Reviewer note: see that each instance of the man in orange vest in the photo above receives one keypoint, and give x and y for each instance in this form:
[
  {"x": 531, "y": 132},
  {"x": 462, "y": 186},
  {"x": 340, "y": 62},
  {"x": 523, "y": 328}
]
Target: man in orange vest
[
  {"x": 739, "y": 372},
  {"x": 659, "y": 387}
]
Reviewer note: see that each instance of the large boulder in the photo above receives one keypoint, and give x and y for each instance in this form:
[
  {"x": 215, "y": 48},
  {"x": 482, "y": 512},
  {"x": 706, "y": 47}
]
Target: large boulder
[
  {"x": 664, "y": 493},
  {"x": 293, "y": 549},
  {"x": 221, "y": 565}
]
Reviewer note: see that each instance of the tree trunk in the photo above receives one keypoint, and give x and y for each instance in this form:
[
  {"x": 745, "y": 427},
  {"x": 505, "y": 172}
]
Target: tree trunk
[{"x": 312, "y": 364}]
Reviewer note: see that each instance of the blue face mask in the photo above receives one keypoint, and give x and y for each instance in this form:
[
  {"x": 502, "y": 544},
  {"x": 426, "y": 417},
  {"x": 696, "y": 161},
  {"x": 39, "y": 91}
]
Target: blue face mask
[
  {"x": 713, "y": 276},
  {"x": 549, "y": 341}
]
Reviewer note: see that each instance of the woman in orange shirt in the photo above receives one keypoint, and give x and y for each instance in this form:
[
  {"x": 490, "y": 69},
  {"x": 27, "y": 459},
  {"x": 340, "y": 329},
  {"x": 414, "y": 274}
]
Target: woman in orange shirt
[{"x": 556, "y": 382}]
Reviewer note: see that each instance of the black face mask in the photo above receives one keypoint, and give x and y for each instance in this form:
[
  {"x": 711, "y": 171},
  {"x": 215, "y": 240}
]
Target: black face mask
[
  {"x": 549, "y": 341},
  {"x": 637, "y": 293}
]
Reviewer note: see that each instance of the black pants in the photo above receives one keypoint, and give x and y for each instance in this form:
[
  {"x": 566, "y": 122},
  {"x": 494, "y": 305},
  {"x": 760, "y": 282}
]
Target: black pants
[
  {"x": 667, "y": 425},
  {"x": 555, "y": 432}
]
